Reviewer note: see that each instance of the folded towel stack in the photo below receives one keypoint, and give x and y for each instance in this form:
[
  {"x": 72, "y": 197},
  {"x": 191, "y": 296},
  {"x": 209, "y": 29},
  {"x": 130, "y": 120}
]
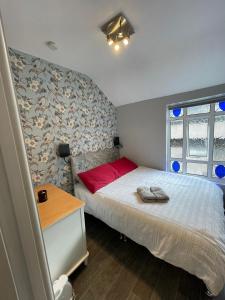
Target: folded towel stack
[{"x": 152, "y": 194}]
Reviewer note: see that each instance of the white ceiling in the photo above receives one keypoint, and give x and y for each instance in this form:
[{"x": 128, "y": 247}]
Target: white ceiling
[{"x": 179, "y": 45}]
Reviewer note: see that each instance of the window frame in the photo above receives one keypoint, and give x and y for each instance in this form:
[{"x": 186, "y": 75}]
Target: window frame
[{"x": 186, "y": 118}]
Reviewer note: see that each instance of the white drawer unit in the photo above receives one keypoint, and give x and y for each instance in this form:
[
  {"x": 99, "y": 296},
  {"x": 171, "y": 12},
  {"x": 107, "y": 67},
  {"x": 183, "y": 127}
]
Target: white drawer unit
[{"x": 63, "y": 225}]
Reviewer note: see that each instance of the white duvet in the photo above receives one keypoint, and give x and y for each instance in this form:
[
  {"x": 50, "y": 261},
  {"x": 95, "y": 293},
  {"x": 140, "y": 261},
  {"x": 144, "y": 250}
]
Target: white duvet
[{"x": 188, "y": 231}]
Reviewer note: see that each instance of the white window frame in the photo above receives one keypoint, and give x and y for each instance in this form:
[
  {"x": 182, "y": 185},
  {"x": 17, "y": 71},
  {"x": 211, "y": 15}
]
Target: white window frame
[{"x": 211, "y": 118}]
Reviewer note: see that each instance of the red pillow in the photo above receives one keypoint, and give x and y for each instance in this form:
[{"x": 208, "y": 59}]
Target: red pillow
[
  {"x": 98, "y": 177},
  {"x": 123, "y": 165}
]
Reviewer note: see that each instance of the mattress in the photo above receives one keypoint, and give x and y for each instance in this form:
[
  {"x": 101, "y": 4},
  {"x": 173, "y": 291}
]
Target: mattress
[{"x": 188, "y": 231}]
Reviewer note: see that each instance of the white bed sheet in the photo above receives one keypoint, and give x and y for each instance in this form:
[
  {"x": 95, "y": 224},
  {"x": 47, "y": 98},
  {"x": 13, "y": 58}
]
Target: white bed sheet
[{"x": 188, "y": 231}]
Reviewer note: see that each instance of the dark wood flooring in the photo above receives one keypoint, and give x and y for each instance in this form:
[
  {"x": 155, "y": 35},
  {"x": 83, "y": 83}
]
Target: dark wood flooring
[{"x": 120, "y": 270}]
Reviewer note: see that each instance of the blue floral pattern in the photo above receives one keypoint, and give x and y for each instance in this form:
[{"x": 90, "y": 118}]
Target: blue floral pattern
[{"x": 58, "y": 105}]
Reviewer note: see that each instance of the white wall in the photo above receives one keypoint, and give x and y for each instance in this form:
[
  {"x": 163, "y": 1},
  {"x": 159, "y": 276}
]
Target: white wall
[
  {"x": 24, "y": 272},
  {"x": 142, "y": 126}
]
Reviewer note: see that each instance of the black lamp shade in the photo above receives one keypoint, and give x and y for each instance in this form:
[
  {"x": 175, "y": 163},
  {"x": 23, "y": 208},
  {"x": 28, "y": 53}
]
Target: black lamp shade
[
  {"x": 64, "y": 150},
  {"x": 116, "y": 141}
]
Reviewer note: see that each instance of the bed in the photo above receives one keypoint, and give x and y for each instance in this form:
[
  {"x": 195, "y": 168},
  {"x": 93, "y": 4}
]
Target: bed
[{"x": 188, "y": 231}]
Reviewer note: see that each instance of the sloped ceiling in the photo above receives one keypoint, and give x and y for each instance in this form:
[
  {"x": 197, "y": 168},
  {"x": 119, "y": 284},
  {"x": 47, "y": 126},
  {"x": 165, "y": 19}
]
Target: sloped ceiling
[{"x": 179, "y": 45}]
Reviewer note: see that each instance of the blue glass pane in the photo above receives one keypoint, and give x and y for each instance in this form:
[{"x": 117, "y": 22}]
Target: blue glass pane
[
  {"x": 176, "y": 112},
  {"x": 220, "y": 171},
  {"x": 176, "y": 166},
  {"x": 222, "y": 105}
]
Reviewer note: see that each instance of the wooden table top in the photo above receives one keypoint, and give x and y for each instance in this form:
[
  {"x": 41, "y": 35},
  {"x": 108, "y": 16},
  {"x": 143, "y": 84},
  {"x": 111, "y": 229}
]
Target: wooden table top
[{"x": 58, "y": 206}]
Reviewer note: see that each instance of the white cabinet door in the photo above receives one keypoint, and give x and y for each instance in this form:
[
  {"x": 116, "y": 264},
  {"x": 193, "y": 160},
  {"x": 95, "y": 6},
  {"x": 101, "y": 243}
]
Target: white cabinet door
[{"x": 65, "y": 244}]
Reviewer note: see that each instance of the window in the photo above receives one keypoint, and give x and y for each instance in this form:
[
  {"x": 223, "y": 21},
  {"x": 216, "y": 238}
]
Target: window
[{"x": 196, "y": 139}]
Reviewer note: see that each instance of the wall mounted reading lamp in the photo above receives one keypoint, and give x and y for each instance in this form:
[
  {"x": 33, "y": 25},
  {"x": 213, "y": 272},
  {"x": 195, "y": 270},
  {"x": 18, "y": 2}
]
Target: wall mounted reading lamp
[{"x": 64, "y": 151}]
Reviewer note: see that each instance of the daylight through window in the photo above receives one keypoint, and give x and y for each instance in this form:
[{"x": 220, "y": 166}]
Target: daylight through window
[{"x": 196, "y": 140}]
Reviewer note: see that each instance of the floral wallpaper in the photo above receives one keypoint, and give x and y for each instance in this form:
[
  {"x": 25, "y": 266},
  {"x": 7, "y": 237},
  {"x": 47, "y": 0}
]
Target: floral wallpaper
[{"x": 58, "y": 105}]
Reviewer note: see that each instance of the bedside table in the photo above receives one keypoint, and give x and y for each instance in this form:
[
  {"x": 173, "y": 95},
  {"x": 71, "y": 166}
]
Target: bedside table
[{"x": 63, "y": 225}]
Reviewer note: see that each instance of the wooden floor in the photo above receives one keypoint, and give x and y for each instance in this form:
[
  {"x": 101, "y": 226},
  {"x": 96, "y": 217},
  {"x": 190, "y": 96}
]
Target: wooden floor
[{"x": 127, "y": 271}]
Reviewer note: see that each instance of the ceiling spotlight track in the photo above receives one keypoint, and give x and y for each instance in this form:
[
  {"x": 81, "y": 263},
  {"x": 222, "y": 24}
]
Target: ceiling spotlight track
[{"x": 118, "y": 31}]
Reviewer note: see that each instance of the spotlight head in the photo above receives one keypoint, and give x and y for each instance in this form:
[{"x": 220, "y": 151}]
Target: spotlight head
[
  {"x": 126, "y": 41},
  {"x": 110, "y": 42},
  {"x": 117, "y": 47}
]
